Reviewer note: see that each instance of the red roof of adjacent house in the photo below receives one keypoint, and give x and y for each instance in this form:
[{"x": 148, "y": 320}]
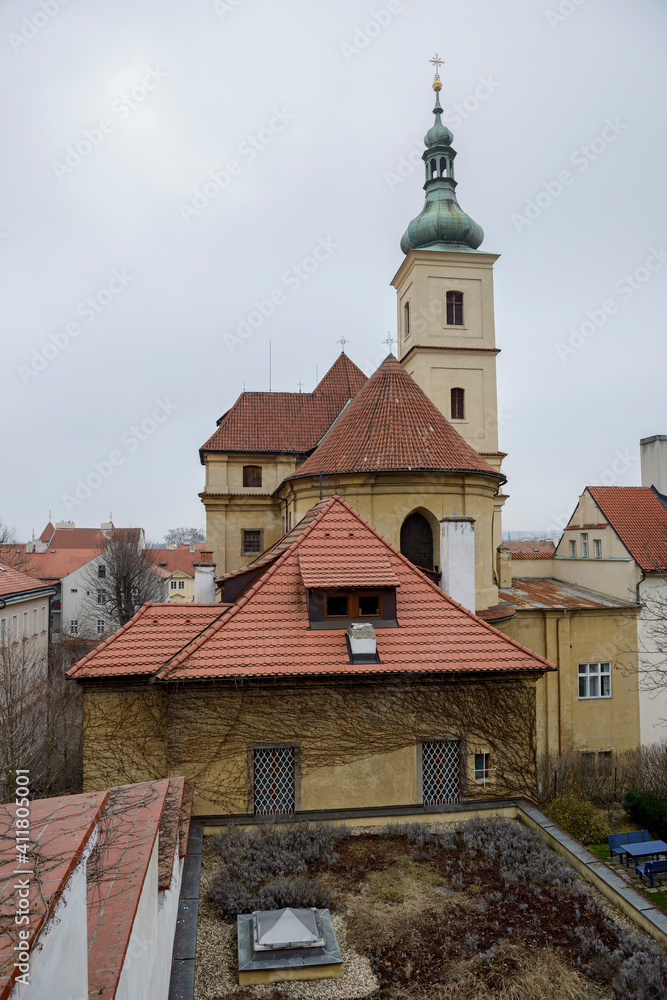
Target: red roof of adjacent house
[
  {"x": 639, "y": 520},
  {"x": 87, "y": 538},
  {"x": 167, "y": 561},
  {"x": 59, "y": 831},
  {"x": 13, "y": 581},
  {"x": 531, "y": 550},
  {"x": 56, "y": 564},
  {"x": 47, "y": 534},
  {"x": 156, "y": 632},
  {"x": 552, "y": 594},
  {"x": 287, "y": 421},
  {"x": 391, "y": 424},
  {"x": 268, "y": 634}
]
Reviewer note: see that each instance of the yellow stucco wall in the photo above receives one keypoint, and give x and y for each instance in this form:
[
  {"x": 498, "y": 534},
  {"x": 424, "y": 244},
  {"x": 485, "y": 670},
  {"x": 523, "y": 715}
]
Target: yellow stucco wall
[{"x": 583, "y": 636}]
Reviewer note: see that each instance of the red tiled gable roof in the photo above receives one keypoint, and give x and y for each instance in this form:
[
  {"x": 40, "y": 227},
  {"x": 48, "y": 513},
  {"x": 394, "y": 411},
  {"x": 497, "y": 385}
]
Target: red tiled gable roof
[
  {"x": 133, "y": 813},
  {"x": 168, "y": 561},
  {"x": 13, "y": 581},
  {"x": 47, "y": 534},
  {"x": 268, "y": 634},
  {"x": 391, "y": 424},
  {"x": 156, "y": 632},
  {"x": 357, "y": 568},
  {"x": 531, "y": 550},
  {"x": 287, "y": 421},
  {"x": 552, "y": 594},
  {"x": 89, "y": 538},
  {"x": 59, "y": 831},
  {"x": 56, "y": 565},
  {"x": 586, "y": 527},
  {"x": 639, "y": 520}
]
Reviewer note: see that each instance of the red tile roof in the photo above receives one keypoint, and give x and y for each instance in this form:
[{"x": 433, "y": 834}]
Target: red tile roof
[
  {"x": 586, "y": 527},
  {"x": 639, "y": 520},
  {"x": 14, "y": 581},
  {"x": 356, "y": 568},
  {"x": 531, "y": 550},
  {"x": 391, "y": 424},
  {"x": 59, "y": 563},
  {"x": 59, "y": 831},
  {"x": 88, "y": 538},
  {"x": 267, "y": 633},
  {"x": 552, "y": 594},
  {"x": 287, "y": 421},
  {"x": 156, "y": 632},
  {"x": 167, "y": 561},
  {"x": 47, "y": 534}
]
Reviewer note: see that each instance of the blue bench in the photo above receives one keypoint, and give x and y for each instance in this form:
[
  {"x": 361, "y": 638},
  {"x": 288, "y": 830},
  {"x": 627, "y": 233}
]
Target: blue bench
[
  {"x": 616, "y": 839},
  {"x": 650, "y": 868}
]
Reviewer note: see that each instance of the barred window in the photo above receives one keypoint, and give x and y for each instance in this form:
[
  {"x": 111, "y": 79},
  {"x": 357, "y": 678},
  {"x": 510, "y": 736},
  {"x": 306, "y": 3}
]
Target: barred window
[
  {"x": 252, "y": 541},
  {"x": 595, "y": 680},
  {"x": 273, "y": 780},
  {"x": 440, "y": 772}
]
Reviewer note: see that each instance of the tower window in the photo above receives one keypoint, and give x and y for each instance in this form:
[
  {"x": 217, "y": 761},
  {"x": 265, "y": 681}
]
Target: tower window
[
  {"x": 406, "y": 320},
  {"x": 252, "y": 475},
  {"x": 454, "y": 308},
  {"x": 417, "y": 541},
  {"x": 252, "y": 542},
  {"x": 458, "y": 408},
  {"x": 443, "y": 166},
  {"x": 434, "y": 168}
]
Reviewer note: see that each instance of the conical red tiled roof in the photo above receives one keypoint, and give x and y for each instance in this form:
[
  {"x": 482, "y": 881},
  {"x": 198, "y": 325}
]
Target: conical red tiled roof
[
  {"x": 391, "y": 424},
  {"x": 287, "y": 421}
]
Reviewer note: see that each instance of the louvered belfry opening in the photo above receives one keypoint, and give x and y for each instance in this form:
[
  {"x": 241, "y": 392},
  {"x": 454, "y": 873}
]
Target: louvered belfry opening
[{"x": 417, "y": 540}]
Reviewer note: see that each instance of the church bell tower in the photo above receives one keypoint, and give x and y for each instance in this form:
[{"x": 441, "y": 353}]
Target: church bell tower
[{"x": 446, "y": 336}]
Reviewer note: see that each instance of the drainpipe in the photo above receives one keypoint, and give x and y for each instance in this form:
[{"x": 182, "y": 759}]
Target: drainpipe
[{"x": 560, "y": 729}]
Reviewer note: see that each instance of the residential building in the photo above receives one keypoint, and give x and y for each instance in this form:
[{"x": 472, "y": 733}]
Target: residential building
[
  {"x": 176, "y": 567},
  {"x": 24, "y": 618},
  {"x": 333, "y": 675}
]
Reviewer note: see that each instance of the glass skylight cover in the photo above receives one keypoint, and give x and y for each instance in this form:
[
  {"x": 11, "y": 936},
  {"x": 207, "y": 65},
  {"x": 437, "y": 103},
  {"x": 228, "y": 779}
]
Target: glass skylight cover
[{"x": 287, "y": 928}]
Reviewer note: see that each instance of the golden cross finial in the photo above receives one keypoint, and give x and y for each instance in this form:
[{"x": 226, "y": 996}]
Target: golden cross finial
[{"x": 437, "y": 62}]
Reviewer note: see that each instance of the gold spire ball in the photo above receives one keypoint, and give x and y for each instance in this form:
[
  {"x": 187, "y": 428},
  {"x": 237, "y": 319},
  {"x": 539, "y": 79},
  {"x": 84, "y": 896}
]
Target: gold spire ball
[{"x": 437, "y": 62}]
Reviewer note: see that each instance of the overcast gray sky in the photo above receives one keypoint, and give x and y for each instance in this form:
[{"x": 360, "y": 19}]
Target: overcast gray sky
[{"x": 123, "y": 289}]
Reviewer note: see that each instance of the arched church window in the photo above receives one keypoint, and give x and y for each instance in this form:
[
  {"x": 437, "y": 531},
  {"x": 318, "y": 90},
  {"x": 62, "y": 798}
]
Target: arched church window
[
  {"x": 417, "y": 541},
  {"x": 458, "y": 404},
  {"x": 252, "y": 475},
  {"x": 406, "y": 320},
  {"x": 454, "y": 308}
]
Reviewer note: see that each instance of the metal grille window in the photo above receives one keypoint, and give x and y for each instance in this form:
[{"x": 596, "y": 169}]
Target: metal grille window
[
  {"x": 273, "y": 780},
  {"x": 440, "y": 772},
  {"x": 252, "y": 541},
  {"x": 595, "y": 680},
  {"x": 454, "y": 308}
]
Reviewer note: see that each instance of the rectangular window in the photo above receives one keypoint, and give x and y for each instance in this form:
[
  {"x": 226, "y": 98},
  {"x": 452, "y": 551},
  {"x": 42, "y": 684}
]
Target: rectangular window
[
  {"x": 604, "y": 763},
  {"x": 584, "y": 546},
  {"x": 337, "y": 606},
  {"x": 482, "y": 767},
  {"x": 172, "y": 585},
  {"x": 3, "y": 631},
  {"x": 252, "y": 542},
  {"x": 440, "y": 772},
  {"x": 353, "y": 606},
  {"x": 44, "y": 618},
  {"x": 15, "y": 628},
  {"x": 26, "y": 624},
  {"x": 588, "y": 763},
  {"x": 181, "y": 584},
  {"x": 101, "y": 597},
  {"x": 406, "y": 320},
  {"x": 595, "y": 680},
  {"x": 573, "y": 549},
  {"x": 73, "y": 626},
  {"x": 101, "y": 571},
  {"x": 458, "y": 404},
  {"x": 455, "y": 308},
  {"x": 273, "y": 780},
  {"x": 34, "y": 621},
  {"x": 597, "y": 548},
  {"x": 101, "y": 626},
  {"x": 252, "y": 475}
]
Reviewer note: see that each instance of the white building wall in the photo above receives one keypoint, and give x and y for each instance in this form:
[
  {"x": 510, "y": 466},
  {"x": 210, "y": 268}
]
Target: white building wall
[
  {"x": 652, "y": 703},
  {"x": 75, "y": 603}
]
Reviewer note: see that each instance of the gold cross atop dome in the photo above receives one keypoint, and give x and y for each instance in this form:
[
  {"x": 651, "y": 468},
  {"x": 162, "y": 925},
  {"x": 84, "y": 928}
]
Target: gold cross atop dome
[{"x": 437, "y": 62}]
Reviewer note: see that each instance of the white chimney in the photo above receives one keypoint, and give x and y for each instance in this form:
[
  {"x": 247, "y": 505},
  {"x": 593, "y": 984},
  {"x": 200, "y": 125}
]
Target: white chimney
[
  {"x": 205, "y": 579},
  {"x": 362, "y": 638},
  {"x": 457, "y": 559},
  {"x": 653, "y": 452}
]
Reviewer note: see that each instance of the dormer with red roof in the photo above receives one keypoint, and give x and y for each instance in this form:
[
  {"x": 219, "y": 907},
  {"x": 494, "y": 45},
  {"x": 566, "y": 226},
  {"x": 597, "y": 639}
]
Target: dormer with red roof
[{"x": 260, "y": 441}]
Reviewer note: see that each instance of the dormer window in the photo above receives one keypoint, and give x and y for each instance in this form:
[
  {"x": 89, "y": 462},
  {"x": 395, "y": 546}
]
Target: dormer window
[
  {"x": 454, "y": 308},
  {"x": 353, "y": 606},
  {"x": 252, "y": 475},
  {"x": 338, "y": 608}
]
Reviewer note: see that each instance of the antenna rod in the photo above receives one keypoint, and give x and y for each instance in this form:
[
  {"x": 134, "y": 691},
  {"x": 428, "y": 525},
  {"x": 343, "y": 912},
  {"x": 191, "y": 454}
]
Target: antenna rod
[{"x": 269, "y": 366}]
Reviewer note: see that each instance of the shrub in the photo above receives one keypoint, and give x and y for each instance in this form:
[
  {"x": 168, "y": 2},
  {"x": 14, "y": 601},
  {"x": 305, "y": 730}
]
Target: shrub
[
  {"x": 266, "y": 869},
  {"x": 579, "y": 817},
  {"x": 647, "y": 810}
]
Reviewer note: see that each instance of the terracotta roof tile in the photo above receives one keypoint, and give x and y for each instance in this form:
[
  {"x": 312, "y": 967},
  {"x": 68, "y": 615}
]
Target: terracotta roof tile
[
  {"x": 14, "y": 581},
  {"x": 287, "y": 421},
  {"x": 59, "y": 563},
  {"x": 167, "y": 561},
  {"x": 268, "y": 634},
  {"x": 531, "y": 550},
  {"x": 552, "y": 594},
  {"x": 357, "y": 568},
  {"x": 391, "y": 424},
  {"x": 639, "y": 520},
  {"x": 170, "y": 822},
  {"x": 87, "y": 538},
  {"x": 47, "y": 534}
]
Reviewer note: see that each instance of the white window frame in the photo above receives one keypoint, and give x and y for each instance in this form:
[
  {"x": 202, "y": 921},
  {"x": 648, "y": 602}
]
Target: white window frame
[
  {"x": 101, "y": 626},
  {"x": 101, "y": 597},
  {"x": 74, "y": 626},
  {"x": 596, "y": 677},
  {"x": 15, "y": 628},
  {"x": 26, "y": 624},
  {"x": 584, "y": 545},
  {"x": 181, "y": 584},
  {"x": 34, "y": 621},
  {"x": 172, "y": 584},
  {"x": 3, "y": 632},
  {"x": 43, "y": 617},
  {"x": 573, "y": 548},
  {"x": 597, "y": 548}
]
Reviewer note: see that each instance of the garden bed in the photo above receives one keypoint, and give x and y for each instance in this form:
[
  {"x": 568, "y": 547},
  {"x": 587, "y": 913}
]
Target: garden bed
[{"x": 485, "y": 910}]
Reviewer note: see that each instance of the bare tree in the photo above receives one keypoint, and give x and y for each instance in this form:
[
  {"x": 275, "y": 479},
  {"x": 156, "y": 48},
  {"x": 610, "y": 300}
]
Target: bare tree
[
  {"x": 12, "y": 552},
  {"x": 189, "y": 536},
  {"x": 119, "y": 579}
]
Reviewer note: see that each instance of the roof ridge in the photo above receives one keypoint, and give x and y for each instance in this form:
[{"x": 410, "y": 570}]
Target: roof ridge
[{"x": 72, "y": 672}]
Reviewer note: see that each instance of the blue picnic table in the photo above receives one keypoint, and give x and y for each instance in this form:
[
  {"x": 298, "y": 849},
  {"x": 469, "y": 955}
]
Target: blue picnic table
[{"x": 645, "y": 849}]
